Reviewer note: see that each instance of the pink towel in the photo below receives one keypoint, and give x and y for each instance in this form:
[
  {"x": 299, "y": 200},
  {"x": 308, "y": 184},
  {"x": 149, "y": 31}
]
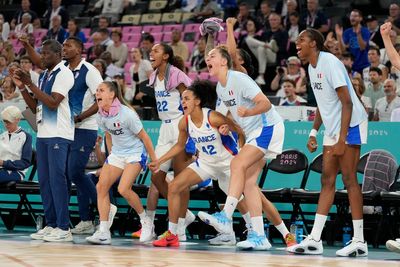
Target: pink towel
[
  {"x": 173, "y": 78},
  {"x": 114, "y": 109}
]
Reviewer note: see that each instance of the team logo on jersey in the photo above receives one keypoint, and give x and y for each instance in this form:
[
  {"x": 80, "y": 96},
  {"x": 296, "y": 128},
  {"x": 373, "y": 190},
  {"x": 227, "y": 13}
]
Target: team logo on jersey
[
  {"x": 319, "y": 75},
  {"x": 117, "y": 124}
]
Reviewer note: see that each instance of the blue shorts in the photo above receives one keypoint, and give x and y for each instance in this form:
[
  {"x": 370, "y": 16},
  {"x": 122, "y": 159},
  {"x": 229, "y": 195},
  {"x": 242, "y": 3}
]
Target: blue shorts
[{"x": 356, "y": 135}]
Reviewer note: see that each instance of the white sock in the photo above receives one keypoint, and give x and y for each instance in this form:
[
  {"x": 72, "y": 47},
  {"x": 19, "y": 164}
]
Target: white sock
[
  {"x": 104, "y": 227},
  {"x": 230, "y": 206},
  {"x": 358, "y": 226},
  {"x": 282, "y": 229},
  {"x": 181, "y": 225},
  {"x": 258, "y": 225},
  {"x": 189, "y": 214},
  {"x": 173, "y": 227},
  {"x": 319, "y": 224},
  {"x": 151, "y": 214},
  {"x": 142, "y": 215},
  {"x": 247, "y": 218}
]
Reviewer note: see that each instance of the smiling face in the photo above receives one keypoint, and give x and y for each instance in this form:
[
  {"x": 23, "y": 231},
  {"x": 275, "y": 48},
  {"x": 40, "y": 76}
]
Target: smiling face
[
  {"x": 304, "y": 46},
  {"x": 104, "y": 96},
  {"x": 189, "y": 102},
  {"x": 157, "y": 56}
]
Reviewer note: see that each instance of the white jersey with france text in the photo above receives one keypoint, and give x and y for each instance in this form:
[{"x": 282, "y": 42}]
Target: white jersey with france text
[
  {"x": 168, "y": 102},
  {"x": 326, "y": 77},
  {"x": 240, "y": 91}
]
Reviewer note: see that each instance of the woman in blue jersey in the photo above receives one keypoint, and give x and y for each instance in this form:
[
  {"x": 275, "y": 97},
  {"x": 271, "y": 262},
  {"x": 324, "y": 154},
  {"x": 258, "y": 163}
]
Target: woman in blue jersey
[
  {"x": 264, "y": 132},
  {"x": 346, "y": 122},
  {"x": 128, "y": 157},
  {"x": 169, "y": 82},
  {"x": 215, "y": 152}
]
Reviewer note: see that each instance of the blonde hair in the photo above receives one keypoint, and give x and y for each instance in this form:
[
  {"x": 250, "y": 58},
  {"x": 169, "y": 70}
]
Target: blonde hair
[{"x": 11, "y": 114}]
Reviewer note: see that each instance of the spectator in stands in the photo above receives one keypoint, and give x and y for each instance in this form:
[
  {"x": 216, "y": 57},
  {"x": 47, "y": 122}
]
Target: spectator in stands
[
  {"x": 180, "y": 48},
  {"x": 291, "y": 98},
  {"x": 74, "y": 30},
  {"x": 111, "y": 8},
  {"x": 111, "y": 69},
  {"x": 315, "y": 18},
  {"x": 105, "y": 37},
  {"x": 127, "y": 91},
  {"x": 374, "y": 55},
  {"x": 356, "y": 40},
  {"x": 294, "y": 72},
  {"x": 375, "y": 88},
  {"x": 333, "y": 45},
  {"x": 57, "y": 32},
  {"x": 102, "y": 23},
  {"x": 243, "y": 16},
  {"x": 359, "y": 87},
  {"x": 198, "y": 60},
  {"x": 8, "y": 90},
  {"x": 385, "y": 105},
  {"x": 27, "y": 66},
  {"x": 15, "y": 147},
  {"x": 54, "y": 136},
  {"x": 54, "y": 10},
  {"x": 207, "y": 9},
  {"x": 8, "y": 51},
  {"x": 95, "y": 51},
  {"x": 294, "y": 28},
  {"x": 3, "y": 66},
  {"x": 291, "y": 8},
  {"x": 146, "y": 43},
  {"x": 395, "y": 117},
  {"x": 101, "y": 65},
  {"x": 25, "y": 8},
  {"x": 4, "y": 29},
  {"x": 229, "y": 7},
  {"x": 272, "y": 48},
  {"x": 25, "y": 27},
  {"x": 31, "y": 39},
  {"x": 375, "y": 38},
  {"x": 140, "y": 70},
  {"x": 264, "y": 12},
  {"x": 348, "y": 60},
  {"x": 118, "y": 49},
  {"x": 394, "y": 17}
]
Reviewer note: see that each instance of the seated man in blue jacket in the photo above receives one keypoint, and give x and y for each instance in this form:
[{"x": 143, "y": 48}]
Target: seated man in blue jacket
[{"x": 15, "y": 147}]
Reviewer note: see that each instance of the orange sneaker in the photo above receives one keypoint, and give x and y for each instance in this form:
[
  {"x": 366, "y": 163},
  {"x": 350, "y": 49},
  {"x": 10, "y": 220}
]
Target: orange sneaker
[
  {"x": 290, "y": 240},
  {"x": 137, "y": 233},
  {"x": 167, "y": 239}
]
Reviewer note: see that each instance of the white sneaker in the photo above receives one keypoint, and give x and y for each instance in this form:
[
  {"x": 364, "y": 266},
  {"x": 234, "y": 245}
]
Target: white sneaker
[
  {"x": 307, "y": 246},
  {"x": 58, "y": 235},
  {"x": 41, "y": 233},
  {"x": 260, "y": 80},
  {"x": 255, "y": 242},
  {"x": 83, "y": 227},
  {"x": 218, "y": 220},
  {"x": 100, "y": 238},
  {"x": 393, "y": 245},
  {"x": 147, "y": 230},
  {"x": 223, "y": 240},
  {"x": 355, "y": 248},
  {"x": 182, "y": 234},
  {"x": 111, "y": 215}
]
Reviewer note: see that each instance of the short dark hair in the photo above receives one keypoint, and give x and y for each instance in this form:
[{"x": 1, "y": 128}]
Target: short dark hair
[
  {"x": 25, "y": 57},
  {"x": 147, "y": 37},
  {"x": 105, "y": 31},
  {"x": 358, "y": 11},
  {"x": 376, "y": 49},
  {"x": 376, "y": 69},
  {"x": 289, "y": 81},
  {"x": 77, "y": 41},
  {"x": 53, "y": 45}
]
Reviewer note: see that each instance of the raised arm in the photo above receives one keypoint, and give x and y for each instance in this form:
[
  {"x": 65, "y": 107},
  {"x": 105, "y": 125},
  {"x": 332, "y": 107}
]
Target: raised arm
[
  {"x": 390, "y": 50},
  {"x": 231, "y": 44}
]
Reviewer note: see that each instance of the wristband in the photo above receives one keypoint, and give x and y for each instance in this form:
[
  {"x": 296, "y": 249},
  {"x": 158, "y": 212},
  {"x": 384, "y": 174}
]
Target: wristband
[{"x": 313, "y": 133}]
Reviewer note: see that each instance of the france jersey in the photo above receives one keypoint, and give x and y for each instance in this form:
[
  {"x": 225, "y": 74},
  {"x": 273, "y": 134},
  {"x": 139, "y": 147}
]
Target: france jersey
[
  {"x": 58, "y": 122},
  {"x": 326, "y": 77},
  {"x": 82, "y": 95},
  {"x": 123, "y": 128},
  {"x": 168, "y": 102},
  {"x": 239, "y": 91},
  {"x": 212, "y": 146}
]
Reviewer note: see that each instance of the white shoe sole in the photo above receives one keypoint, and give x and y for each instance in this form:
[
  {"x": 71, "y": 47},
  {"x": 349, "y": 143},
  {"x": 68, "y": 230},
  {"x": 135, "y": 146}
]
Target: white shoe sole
[
  {"x": 241, "y": 247},
  {"x": 50, "y": 239},
  {"x": 99, "y": 242},
  {"x": 36, "y": 237},
  {"x": 222, "y": 243},
  {"x": 303, "y": 251},
  {"x": 393, "y": 246},
  {"x": 85, "y": 232}
]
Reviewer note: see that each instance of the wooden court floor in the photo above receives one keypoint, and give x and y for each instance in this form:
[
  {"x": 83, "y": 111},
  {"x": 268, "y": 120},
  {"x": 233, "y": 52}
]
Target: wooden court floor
[{"x": 16, "y": 249}]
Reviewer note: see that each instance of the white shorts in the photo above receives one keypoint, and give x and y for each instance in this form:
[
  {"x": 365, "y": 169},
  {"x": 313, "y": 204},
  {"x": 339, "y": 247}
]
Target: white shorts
[
  {"x": 221, "y": 172},
  {"x": 168, "y": 136},
  {"x": 356, "y": 135},
  {"x": 268, "y": 139},
  {"x": 122, "y": 161}
]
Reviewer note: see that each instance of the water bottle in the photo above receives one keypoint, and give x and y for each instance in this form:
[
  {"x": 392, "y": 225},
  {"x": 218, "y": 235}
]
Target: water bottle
[
  {"x": 266, "y": 230},
  {"x": 299, "y": 230},
  {"x": 346, "y": 234},
  {"x": 293, "y": 228},
  {"x": 39, "y": 222}
]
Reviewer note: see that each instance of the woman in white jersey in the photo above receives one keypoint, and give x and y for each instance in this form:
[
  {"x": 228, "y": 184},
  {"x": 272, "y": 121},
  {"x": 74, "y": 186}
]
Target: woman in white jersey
[
  {"x": 392, "y": 245},
  {"x": 168, "y": 82},
  {"x": 264, "y": 131},
  {"x": 128, "y": 157},
  {"x": 346, "y": 122}
]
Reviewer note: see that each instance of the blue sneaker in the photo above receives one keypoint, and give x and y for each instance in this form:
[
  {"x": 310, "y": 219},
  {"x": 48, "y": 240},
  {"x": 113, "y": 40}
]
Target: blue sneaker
[
  {"x": 218, "y": 220},
  {"x": 254, "y": 241}
]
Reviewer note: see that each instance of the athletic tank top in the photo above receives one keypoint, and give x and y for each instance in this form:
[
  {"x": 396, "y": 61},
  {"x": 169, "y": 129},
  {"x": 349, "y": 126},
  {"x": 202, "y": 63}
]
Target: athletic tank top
[{"x": 168, "y": 102}]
